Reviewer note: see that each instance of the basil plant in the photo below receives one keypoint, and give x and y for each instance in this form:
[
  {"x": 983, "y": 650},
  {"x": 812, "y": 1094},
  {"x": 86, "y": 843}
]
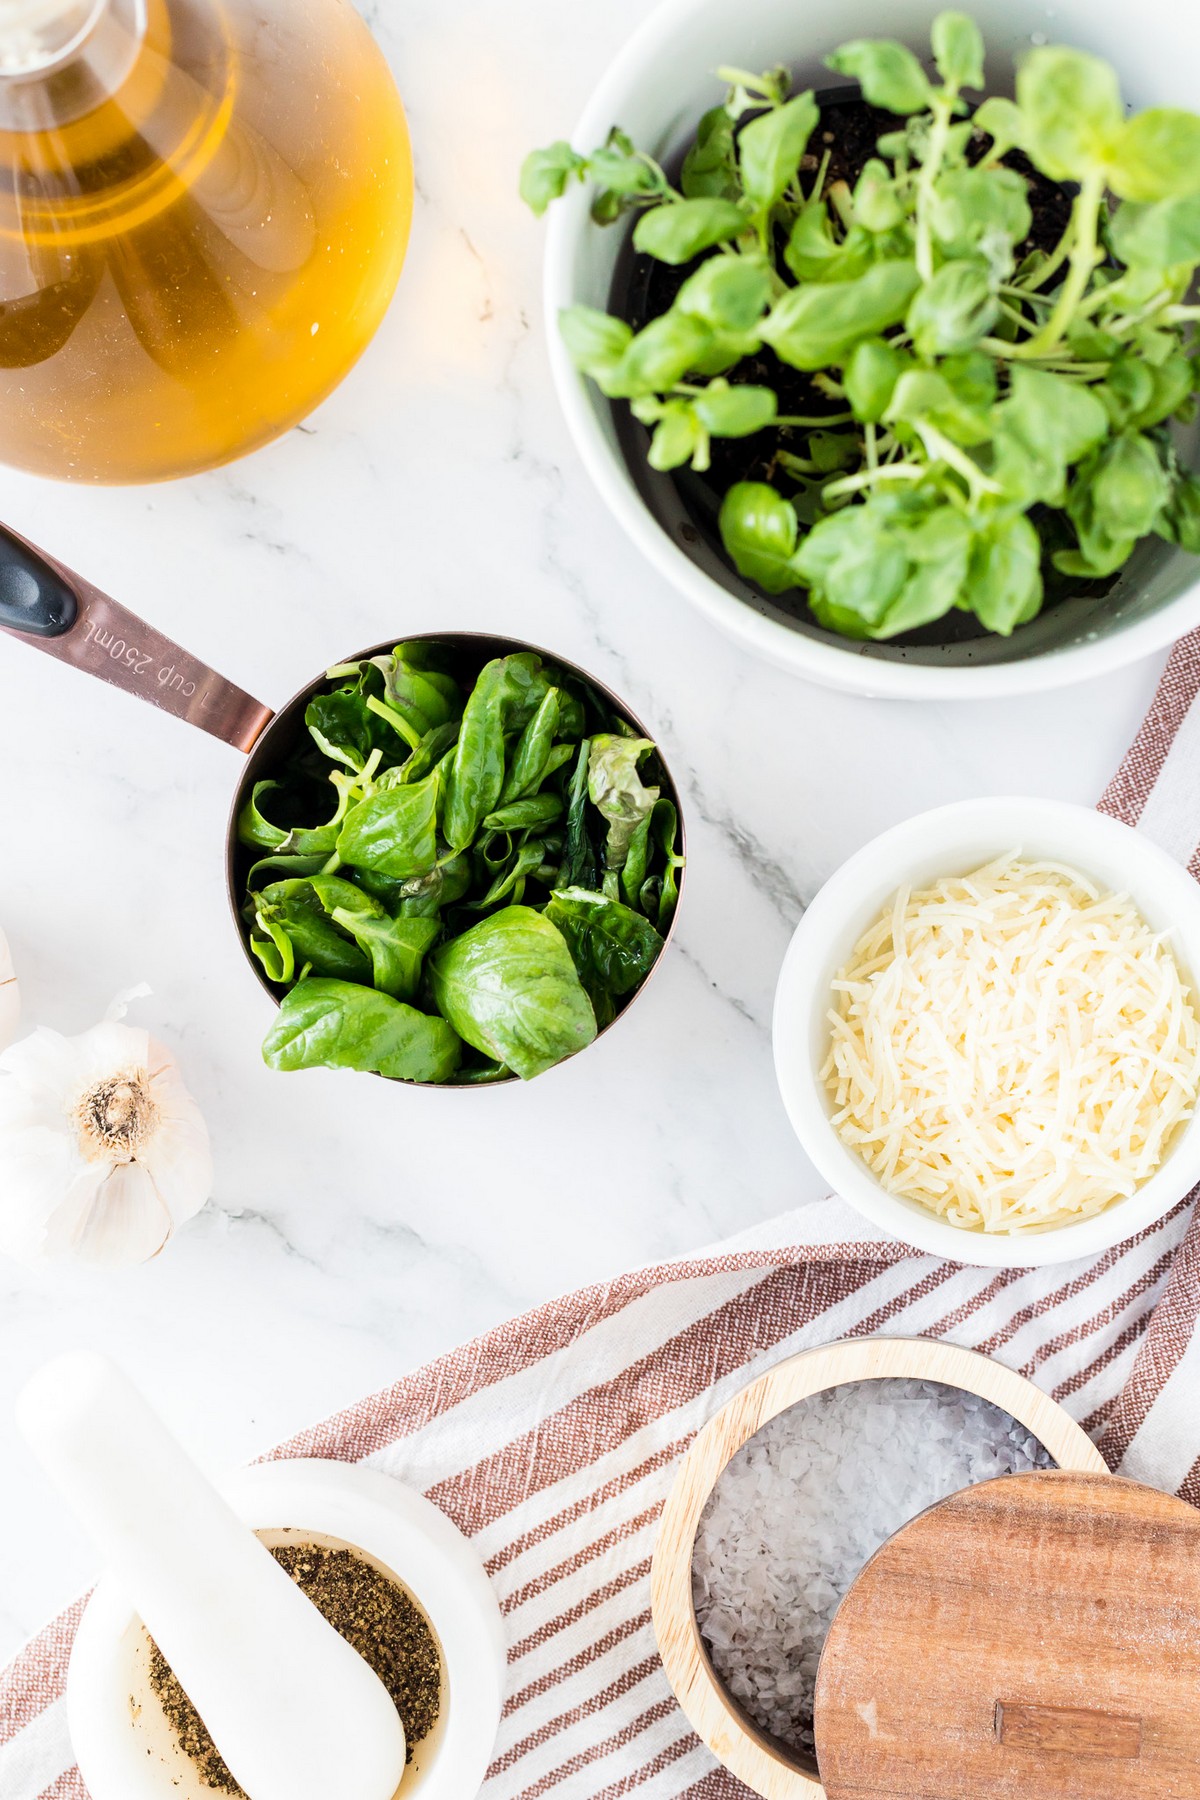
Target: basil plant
[{"x": 985, "y": 414}]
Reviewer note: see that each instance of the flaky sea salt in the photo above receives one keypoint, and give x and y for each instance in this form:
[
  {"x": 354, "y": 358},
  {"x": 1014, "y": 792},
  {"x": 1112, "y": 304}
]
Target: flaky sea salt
[{"x": 806, "y": 1503}]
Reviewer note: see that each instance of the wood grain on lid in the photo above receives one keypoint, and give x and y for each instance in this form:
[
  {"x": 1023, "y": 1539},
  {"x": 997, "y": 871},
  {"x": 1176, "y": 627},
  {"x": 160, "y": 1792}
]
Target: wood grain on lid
[{"x": 1037, "y": 1636}]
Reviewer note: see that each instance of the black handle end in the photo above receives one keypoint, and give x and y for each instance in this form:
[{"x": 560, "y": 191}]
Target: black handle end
[{"x": 34, "y": 597}]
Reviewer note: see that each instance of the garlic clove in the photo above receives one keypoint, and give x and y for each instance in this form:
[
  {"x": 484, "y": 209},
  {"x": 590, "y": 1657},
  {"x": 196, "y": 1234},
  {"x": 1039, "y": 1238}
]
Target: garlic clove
[
  {"x": 10, "y": 995},
  {"x": 38, "y": 1164},
  {"x": 111, "y": 1218},
  {"x": 47, "y": 1068},
  {"x": 178, "y": 1155},
  {"x": 107, "y": 1047}
]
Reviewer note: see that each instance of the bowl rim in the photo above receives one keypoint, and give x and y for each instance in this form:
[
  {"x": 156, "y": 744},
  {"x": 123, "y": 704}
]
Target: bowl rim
[
  {"x": 813, "y": 953},
  {"x": 740, "y": 1746},
  {"x": 258, "y": 761},
  {"x": 840, "y": 666}
]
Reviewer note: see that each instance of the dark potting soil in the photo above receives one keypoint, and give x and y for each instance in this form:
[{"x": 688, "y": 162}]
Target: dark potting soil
[{"x": 644, "y": 288}]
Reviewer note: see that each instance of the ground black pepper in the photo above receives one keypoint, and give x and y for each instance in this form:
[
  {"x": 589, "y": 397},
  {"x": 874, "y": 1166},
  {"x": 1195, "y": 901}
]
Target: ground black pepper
[{"x": 372, "y": 1613}]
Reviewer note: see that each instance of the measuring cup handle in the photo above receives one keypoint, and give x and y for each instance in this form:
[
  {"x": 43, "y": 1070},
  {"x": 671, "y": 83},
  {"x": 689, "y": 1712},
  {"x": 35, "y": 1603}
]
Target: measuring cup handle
[
  {"x": 65, "y": 615},
  {"x": 34, "y": 597}
]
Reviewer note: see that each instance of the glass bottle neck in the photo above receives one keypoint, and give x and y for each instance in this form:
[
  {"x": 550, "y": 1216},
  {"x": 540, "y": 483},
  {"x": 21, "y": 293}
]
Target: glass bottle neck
[{"x": 61, "y": 58}]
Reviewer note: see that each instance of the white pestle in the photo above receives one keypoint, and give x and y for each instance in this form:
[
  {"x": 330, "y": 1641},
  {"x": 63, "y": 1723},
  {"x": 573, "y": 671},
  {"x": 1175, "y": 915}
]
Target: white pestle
[{"x": 294, "y": 1710}]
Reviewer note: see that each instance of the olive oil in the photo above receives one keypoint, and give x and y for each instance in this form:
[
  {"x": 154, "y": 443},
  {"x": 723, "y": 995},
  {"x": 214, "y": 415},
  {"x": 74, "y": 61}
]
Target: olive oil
[{"x": 204, "y": 209}]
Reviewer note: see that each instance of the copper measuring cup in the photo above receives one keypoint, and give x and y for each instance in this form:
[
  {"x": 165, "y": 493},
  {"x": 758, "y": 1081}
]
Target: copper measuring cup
[{"x": 67, "y": 616}]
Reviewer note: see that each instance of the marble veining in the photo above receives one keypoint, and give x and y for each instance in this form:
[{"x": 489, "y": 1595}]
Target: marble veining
[{"x": 357, "y": 1228}]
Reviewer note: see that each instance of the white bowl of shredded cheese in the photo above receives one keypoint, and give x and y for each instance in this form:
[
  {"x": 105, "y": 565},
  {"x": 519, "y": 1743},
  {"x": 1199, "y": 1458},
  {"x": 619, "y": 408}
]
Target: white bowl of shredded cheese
[{"x": 987, "y": 1032}]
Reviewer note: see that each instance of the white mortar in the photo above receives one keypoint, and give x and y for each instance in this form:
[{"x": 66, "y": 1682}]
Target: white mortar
[{"x": 127, "y": 1750}]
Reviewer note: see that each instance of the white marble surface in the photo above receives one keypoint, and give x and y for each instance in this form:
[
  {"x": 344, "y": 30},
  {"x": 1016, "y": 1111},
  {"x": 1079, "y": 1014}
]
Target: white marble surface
[{"x": 358, "y": 1228}]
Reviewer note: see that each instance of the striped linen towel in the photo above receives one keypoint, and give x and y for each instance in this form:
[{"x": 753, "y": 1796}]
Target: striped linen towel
[{"x": 551, "y": 1441}]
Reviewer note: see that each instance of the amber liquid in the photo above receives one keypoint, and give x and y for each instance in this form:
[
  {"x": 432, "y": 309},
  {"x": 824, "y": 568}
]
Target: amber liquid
[{"x": 193, "y": 260}]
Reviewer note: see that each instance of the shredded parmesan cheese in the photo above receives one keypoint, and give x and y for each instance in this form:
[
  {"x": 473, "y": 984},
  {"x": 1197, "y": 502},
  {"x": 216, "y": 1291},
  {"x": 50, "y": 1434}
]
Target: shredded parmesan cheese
[{"x": 1013, "y": 1048}]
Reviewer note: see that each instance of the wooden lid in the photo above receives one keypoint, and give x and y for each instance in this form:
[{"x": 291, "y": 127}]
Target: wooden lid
[{"x": 1034, "y": 1637}]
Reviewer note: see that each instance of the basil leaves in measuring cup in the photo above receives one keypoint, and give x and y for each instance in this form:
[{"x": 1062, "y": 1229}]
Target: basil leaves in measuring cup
[{"x": 456, "y": 881}]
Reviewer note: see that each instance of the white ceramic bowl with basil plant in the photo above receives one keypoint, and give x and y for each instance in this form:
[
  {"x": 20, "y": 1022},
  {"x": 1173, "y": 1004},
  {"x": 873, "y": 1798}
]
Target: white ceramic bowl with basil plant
[
  {"x": 987, "y": 1032},
  {"x": 454, "y": 861},
  {"x": 878, "y": 341}
]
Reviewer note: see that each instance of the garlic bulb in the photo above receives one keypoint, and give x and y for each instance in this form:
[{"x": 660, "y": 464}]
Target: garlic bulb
[
  {"x": 103, "y": 1151},
  {"x": 10, "y": 995}
]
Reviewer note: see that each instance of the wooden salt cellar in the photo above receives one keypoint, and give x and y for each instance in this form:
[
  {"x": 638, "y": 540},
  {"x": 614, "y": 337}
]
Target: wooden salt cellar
[{"x": 773, "y": 1769}]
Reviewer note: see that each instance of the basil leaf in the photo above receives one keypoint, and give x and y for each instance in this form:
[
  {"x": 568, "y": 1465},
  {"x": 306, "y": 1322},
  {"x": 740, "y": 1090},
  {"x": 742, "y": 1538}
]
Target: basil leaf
[
  {"x": 342, "y": 727},
  {"x": 923, "y": 396},
  {"x": 579, "y": 864},
  {"x": 422, "y": 695},
  {"x": 664, "y": 828},
  {"x": 678, "y": 231},
  {"x": 1047, "y": 423},
  {"x": 770, "y": 148},
  {"x": 1121, "y": 492},
  {"x": 336, "y": 1025},
  {"x": 812, "y": 327},
  {"x": 520, "y": 815},
  {"x": 969, "y": 204},
  {"x": 505, "y": 697},
  {"x": 1071, "y": 108},
  {"x": 661, "y": 354},
  {"x": 939, "y": 550},
  {"x": 872, "y": 371},
  {"x": 334, "y": 890},
  {"x": 759, "y": 529},
  {"x": 1156, "y": 155},
  {"x": 877, "y": 203},
  {"x": 1174, "y": 383},
  {"x": 854, "y": 562},
  {"x": 1159, "y": 236},
  {"x": 595, "y": 342},
  {"x": 527, "y": 769},
  {"x": 509, "y": 988},
  {"x": 709, "y": 168},
  {"x": 889, "y": 74},
  {"x": 396, "y": 947},
  {"x": 612, "y": 947},
  {"x": 637, "y": 862},
  {"x": 953, "y": 310},
  {"x": 394, "y": 832},
  {"x": 813, "y": 253},
  {"x": 253, "y": 827},
  {"x": 1004, "y": 580},
  {"x": 282, "y": 867},
  {"x": 511, "y": 874},
  {"x": 958, "y": 50},
  {"x": 545, "y": 174},
  {"x": 1181, "y": 520},
  {"x": 424, "y": 896},
  {"x": 728, "y": 293},
  {"x": 295, "y": 906},
  {"x": 1128, "y": 388},
  {"x": 727, "y": 411},
  {"x": 678, "y": 437},
  {"x": 1002, "y": 121},
  {"x": 428, "y": 753},
  {"x": 618, "y": 169}
]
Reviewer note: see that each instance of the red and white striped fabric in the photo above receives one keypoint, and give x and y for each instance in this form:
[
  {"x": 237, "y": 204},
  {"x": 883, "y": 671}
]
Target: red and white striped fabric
[{"x": 551, "y": 1440}]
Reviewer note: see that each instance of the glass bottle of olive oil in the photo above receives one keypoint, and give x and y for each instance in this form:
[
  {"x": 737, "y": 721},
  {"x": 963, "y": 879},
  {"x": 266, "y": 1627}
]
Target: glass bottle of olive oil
[{"x": 204, "y": 207}]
